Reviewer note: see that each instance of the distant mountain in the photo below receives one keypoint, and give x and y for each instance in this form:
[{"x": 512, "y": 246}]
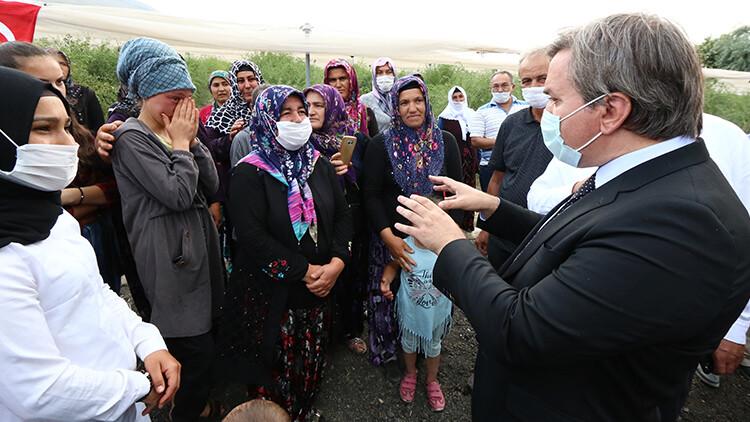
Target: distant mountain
[{"x": 127, "y": 4}]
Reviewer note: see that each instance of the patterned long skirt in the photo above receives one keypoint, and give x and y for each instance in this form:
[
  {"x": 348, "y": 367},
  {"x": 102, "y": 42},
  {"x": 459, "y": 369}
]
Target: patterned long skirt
[
  {"x": 383, "y": 326},
  {"x": 299, "y": 360}
]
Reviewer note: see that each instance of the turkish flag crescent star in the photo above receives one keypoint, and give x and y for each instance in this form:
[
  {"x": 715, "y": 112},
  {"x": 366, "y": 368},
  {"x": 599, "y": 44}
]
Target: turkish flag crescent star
[{"x": 17, "y": 21}]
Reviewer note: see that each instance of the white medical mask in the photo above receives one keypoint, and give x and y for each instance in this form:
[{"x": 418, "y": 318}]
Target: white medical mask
[
  {"x": 554, "y": 141},
  {"x": 535, "y": 96},
  {"x": 457, "y": 106},
  {"x": 385, "y": 82},
  {"x": 43, "y": 167},
  {"x": 292, "y": 136},
  {"x": 500, "y": 97}
]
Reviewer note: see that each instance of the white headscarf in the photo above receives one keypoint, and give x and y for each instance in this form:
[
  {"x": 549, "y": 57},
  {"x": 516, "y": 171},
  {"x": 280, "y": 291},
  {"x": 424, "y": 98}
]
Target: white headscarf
[{"x": 458, "y": 111}]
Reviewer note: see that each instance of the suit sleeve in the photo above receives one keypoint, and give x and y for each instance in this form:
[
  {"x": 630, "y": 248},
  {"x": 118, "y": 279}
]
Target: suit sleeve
[
  {"x": 510, "y": 221},
  {"x": 614, "y": 291},
  {"x": 248, "y": 207}
]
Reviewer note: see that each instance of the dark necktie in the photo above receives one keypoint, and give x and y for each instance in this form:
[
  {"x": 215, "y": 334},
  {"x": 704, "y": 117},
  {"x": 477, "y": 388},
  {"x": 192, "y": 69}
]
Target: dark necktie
[{"x": 587, "y": 187}]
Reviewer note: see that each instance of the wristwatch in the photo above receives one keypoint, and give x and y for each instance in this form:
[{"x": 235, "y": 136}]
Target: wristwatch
[{"x": 150, "y": 383}]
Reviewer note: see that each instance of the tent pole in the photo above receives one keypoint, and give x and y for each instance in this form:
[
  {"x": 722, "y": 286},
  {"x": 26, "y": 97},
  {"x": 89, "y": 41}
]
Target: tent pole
[{"x": 307, "y": 69}]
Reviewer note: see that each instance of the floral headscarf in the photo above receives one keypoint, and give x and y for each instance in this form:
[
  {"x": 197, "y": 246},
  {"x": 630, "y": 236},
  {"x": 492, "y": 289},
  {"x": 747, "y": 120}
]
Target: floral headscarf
[
  {"x": 356, "y": 111},
  {"x": 236, "y": 107},
  {"x": 327, "y": 139},
  {"x": 414, "y": 154},
  {"x": 383, "y": 97},
  {"x": 292, "y": 168}
]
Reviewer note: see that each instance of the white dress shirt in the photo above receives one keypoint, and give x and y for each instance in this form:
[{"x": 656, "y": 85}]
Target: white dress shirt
[
  {"x": 68, "y": 343},
  {"x": 727, "y": 145}
]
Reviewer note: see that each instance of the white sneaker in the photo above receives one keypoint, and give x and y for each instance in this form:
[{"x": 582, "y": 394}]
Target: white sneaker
[{"x": 710, "y": 379}]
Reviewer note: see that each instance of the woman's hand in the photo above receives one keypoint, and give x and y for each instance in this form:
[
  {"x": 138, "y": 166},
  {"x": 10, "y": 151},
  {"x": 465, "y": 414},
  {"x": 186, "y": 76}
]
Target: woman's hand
[
  {"x": 215, "y": 210},
  {"x": 327, "y": 276},
  {"x": 341, "y": 168},
  {"x": 400, "y": 251},
  {"x": 236, "y": 128},
  {"x": 183, "y": 126},
  {"x": 464, "y": 197},
  {"x": 165, "y": 375},
  {"x": 105, "y": 139}
]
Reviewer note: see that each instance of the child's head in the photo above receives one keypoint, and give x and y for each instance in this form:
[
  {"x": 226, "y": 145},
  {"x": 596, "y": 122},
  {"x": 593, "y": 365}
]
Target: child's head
[{"x": 258, "y": 411}]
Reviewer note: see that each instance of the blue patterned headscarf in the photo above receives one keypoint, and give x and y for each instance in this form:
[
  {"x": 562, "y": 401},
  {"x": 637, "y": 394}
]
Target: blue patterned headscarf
[
  {"x": 291, "y": 168},
  {"x": 235, "y": 107},
  {"x": 415, "y": 154},
  {"x": 149, "y": 67}
]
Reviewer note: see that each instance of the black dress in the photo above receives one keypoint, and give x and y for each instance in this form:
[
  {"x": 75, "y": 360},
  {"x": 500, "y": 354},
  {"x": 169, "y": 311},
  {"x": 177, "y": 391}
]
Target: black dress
[{"x": 267, "y": 299}]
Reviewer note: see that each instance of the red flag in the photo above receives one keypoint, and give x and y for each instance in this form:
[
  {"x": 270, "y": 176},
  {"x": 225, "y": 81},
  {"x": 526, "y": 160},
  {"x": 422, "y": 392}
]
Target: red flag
[{"x": 17, "y": 21}]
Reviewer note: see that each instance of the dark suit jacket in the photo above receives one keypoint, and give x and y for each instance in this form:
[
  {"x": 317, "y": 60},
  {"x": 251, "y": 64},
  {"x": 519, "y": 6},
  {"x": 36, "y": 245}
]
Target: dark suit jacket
[{"x": 608, "y": 309}]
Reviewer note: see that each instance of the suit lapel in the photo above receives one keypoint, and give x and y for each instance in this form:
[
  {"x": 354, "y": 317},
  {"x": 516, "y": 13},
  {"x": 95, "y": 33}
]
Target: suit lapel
[{"x": 629, "y": 181}]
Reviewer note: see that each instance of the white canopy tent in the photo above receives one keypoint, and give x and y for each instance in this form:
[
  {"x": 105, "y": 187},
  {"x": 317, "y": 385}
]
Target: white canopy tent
[{"x": 465, "y": 36}]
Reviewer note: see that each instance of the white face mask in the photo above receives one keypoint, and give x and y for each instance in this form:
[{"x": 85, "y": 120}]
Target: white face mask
[
  {"x": 385, "y": 82},
  {"x": 457, "y": 106},
  {"x": 535, "y": 96},
  {"x": 501, "y": 97},
  {"x": 43, "y": 167},
  {"x": 292, "y": 136}
]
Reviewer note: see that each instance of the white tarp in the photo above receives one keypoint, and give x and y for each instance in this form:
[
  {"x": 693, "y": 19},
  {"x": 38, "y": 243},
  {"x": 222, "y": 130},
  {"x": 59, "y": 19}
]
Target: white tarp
[{"x": 417, "y": 43}]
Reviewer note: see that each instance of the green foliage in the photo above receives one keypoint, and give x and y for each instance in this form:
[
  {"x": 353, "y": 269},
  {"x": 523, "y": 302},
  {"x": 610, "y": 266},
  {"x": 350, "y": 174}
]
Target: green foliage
[
  {"x": 729, "y": 51},
  {"x": 718, "y": 100},
  {"x": 94, "y": 65}
]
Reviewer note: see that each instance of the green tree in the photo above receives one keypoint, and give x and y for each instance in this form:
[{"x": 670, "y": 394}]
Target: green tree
[{"x": 729, "y": 51}]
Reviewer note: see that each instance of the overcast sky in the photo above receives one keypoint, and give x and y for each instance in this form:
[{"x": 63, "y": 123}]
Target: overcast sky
[{"x": 513, "y": 24}]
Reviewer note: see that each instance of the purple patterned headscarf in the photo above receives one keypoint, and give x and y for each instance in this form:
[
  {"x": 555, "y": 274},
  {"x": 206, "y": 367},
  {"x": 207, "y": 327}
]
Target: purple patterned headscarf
[
  {"x": 381, "y": 96},
  {"x": 222, "y": 118},
  {"x": 415, "y": 154},
  {"x": 292, "y": 168},
  {"x": 327, "y": 139},
  {"x": 355, "y": 109}
]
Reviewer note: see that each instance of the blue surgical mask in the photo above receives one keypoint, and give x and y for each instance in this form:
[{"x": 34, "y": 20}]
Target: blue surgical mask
[{"x": 554, "y": 141}]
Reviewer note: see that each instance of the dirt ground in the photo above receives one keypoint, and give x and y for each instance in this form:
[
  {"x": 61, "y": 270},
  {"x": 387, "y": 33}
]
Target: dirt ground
[{"x": 353, "y": 390}]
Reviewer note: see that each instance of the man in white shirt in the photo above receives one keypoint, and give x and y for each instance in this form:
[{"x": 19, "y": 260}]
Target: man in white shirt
[{"x": 486, "y": 121}]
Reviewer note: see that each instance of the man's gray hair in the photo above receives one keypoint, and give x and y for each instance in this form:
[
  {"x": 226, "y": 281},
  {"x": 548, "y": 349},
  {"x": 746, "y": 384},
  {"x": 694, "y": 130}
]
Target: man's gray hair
[
  {"x": 647, "y": 58},
  {"x": 502, "y": 72},
  {"x": 543, "y": 51}
]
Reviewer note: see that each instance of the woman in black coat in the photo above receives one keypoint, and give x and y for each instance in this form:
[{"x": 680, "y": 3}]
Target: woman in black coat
[{"x": 293, "y": 227}]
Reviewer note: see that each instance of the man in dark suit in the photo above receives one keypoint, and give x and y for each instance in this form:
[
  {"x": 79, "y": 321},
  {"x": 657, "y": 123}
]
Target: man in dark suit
[{"x": 610, "y": 300}]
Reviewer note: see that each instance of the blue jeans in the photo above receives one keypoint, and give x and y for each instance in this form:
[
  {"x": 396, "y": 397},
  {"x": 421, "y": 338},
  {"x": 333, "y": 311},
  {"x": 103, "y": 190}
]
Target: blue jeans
[{"x": 485, "y": 174}]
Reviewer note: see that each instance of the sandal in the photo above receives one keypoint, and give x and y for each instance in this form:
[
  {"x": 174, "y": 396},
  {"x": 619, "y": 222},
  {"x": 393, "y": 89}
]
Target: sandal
[
  {"x": 408, "y": 387},
  {"x": 435, "y": 397},
  {"x": 357, "y": 345}
]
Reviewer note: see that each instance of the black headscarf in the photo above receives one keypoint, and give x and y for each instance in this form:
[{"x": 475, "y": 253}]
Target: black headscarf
[{"x": 26, "y": 215}]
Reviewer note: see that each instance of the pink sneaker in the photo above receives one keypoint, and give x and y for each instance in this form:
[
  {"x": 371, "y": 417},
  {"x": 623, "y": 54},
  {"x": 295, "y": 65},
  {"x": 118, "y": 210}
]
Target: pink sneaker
[
  {"x": 408, "y": 387},
  {"x": 435, "y": 397}
]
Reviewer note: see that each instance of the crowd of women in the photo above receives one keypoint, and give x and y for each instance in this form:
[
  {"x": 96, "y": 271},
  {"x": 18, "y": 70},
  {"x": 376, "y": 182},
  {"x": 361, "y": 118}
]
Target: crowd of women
[{"x": 259, "y": 230}]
